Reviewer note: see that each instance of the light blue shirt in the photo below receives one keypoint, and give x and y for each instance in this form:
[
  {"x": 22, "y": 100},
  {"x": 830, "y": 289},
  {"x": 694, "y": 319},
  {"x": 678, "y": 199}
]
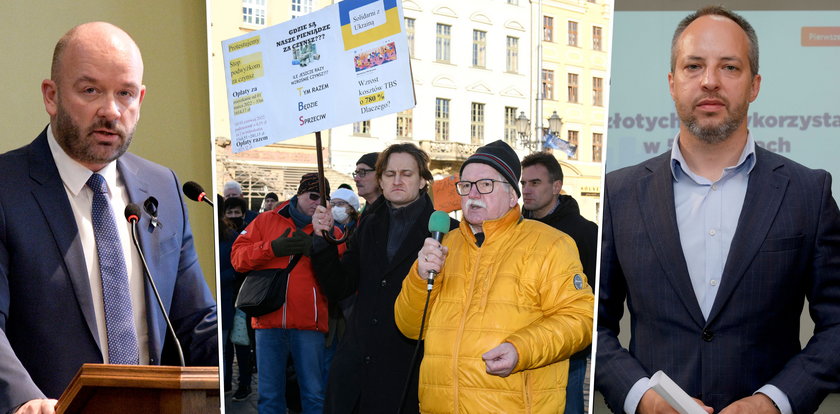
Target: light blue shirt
[{"x": 707, "y": 218}]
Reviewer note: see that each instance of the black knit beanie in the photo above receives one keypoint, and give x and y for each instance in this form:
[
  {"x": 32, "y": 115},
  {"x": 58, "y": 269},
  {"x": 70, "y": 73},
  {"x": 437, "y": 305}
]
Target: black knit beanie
[
  {"x": 502, "y": 158},
  {"x": 309, "y": 183},
  {"x": 369, "y": 159}
]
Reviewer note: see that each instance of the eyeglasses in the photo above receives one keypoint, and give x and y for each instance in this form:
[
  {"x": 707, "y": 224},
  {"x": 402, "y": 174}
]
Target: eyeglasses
[
  {"x": 484, "y": 186},
  {"x": 338, "y": 203},
  {"x": 314, "y": 196},
  {"x": 361, "y": 172}
]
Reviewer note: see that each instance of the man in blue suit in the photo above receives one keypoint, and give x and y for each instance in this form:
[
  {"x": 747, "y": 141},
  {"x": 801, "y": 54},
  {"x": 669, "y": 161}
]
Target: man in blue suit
[
  {"x": 52, "y": 299},
  {"x": 715, "y": 246}
]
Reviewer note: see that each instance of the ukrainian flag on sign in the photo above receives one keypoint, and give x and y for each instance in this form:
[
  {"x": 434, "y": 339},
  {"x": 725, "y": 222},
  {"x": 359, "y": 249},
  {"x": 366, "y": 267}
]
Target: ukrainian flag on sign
[{"x": 349, "y": 8}]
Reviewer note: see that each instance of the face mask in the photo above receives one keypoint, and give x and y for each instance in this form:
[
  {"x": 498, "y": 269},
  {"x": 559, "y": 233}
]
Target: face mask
[
  {"x": 237, "y": 222},
  {"x": 339, "y": 214}
]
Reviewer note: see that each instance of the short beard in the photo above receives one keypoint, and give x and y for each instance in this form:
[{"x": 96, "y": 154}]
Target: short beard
[
  {"x": 79, "y": 146},
  {"x": 713, "y": 134}
]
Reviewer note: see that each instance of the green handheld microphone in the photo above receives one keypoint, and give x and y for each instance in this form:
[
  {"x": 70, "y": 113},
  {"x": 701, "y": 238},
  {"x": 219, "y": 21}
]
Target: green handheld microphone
[{"x": 438, "y": 226}]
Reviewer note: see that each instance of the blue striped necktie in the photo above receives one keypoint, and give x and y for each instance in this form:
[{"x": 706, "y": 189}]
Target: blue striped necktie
[{"x": 119, "y": 319}]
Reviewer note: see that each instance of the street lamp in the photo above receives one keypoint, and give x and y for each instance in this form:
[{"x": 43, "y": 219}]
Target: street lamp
[
  {"x": 555, "y": 123},
  {"x": 523, "y": 127}
]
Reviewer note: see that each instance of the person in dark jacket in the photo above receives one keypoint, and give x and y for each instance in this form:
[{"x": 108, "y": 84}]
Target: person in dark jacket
[
  {"x": 542, "y": 180},
  {"x": 367, "y": 183},
  {"x": 230, "y": 224},
  {"x": 372, "y": 363}
]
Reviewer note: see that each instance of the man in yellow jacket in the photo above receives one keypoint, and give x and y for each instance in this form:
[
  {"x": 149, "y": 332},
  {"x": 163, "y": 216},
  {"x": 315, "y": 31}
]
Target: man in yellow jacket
[{"x": 509, "y": 306}]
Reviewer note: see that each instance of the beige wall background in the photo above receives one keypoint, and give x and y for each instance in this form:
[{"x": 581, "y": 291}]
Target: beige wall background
[{"x": 174, "y": 128}]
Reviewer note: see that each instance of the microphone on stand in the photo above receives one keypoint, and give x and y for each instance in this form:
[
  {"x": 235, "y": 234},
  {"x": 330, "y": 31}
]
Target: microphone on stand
[
  {"x": 132, "y": 214},
  {"x": 195, "y": 192}
]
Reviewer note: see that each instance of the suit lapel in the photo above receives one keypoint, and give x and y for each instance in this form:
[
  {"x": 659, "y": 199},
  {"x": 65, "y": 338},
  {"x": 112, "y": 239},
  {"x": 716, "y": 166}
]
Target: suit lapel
[
  {"x": 765, "y": 191},
  {"x": 656, "y": 202},
  {"x": 49, "y": 191},
  {"x": 138, "y": 192}
]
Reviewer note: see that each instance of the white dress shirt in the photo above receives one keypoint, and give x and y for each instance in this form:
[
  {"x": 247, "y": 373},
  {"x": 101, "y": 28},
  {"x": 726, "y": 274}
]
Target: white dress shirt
[{"x": 75, "y": 176}]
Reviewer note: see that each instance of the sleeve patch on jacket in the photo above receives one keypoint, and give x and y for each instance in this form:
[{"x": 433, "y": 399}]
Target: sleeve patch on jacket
[{"x": 578, "y": 282}]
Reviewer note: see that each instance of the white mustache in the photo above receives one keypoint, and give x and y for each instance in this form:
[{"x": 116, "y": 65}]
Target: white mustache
[{"x": 475, "y": 202}]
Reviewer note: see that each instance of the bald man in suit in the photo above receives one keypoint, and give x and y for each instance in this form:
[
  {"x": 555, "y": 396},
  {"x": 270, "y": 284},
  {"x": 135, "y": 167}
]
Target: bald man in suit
[{"x": 52, "y": 298}]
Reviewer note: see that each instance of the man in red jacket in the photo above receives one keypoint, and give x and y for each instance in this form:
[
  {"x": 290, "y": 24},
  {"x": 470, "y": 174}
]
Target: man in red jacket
[{"x": 298, "y": 327}]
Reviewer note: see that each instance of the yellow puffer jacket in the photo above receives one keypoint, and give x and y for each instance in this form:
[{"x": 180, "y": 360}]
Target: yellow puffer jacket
[{"x": 524, "y": 285}]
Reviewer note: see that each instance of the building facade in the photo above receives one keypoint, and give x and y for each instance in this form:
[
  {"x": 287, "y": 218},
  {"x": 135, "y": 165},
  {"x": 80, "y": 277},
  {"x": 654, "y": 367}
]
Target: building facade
[
  {"x": 475, "y": 70},
  {"x": 575, "y": 40},
  {"x": 273, "y": 168}
]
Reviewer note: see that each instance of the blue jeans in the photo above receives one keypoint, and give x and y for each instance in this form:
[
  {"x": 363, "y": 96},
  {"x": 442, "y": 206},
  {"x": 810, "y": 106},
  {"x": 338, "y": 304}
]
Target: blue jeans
[
  {"x": 574, "y": 388},
  {"x": 307, "y": 349},
  {"x": 329, "y": 353}
]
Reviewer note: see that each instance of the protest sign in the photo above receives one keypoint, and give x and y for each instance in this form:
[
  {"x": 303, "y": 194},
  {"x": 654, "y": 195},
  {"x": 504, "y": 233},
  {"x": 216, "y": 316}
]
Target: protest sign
[{"x": 344, "y": 63}]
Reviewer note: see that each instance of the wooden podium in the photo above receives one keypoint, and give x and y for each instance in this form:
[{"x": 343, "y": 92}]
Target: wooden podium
[{"x": 129, "y": 389}]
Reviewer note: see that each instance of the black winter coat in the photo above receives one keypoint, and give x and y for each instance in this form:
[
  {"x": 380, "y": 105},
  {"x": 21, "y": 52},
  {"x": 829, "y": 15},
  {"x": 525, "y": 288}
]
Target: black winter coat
[{"x": 371, "y": 365}]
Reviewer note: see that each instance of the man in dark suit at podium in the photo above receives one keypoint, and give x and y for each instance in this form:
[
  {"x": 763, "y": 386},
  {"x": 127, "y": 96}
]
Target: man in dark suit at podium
[{"x": 72, "y": 287}]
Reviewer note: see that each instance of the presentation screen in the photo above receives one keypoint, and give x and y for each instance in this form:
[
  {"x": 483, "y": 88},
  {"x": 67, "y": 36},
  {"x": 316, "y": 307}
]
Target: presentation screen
[{"x": 796, "y": 114}]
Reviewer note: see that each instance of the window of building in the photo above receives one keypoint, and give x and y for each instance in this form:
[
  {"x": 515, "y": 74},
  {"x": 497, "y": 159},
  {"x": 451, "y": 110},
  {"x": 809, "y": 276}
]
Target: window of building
[
  {"x": 442, "y": 42},
  {"x": 510, "y": 126},
  {"x": 479, "y": 49},
  {"x": 441, "y": 119},
  {"x": 405, "y": 119},
  {"x": 512, "y": 61},
  {"x": 477, "y": 123},
  {"x": 573, "y": 140},
  {"x": 548, "y": 84},
  {"x": 596, "y": 38},
  {"x": 597, "y": 146},
  {"x": 300, "y": 7},
  {"x": 361, "y": 128},
  {"x": 573, "y": 88},
  {"x": 253, "y": 12},
  {"x": 598, "y": 91},
  {"x": 573, "y": 33},
  {"x": 548, "y": 28},
  {"x": 409, "y": 33}
]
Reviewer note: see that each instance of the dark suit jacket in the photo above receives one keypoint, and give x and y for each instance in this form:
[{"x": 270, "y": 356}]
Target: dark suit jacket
[
  {"x": 786, "y": 248},
  {"x": 371, "y": 364},
  {"x": 46, "y": 308}
]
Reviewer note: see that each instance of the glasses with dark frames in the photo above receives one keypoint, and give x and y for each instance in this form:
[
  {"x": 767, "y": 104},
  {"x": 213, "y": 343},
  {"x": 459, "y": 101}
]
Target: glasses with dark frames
[
  {"x": 484, "y": 186},
  {"x": 362, "y": 172}
]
